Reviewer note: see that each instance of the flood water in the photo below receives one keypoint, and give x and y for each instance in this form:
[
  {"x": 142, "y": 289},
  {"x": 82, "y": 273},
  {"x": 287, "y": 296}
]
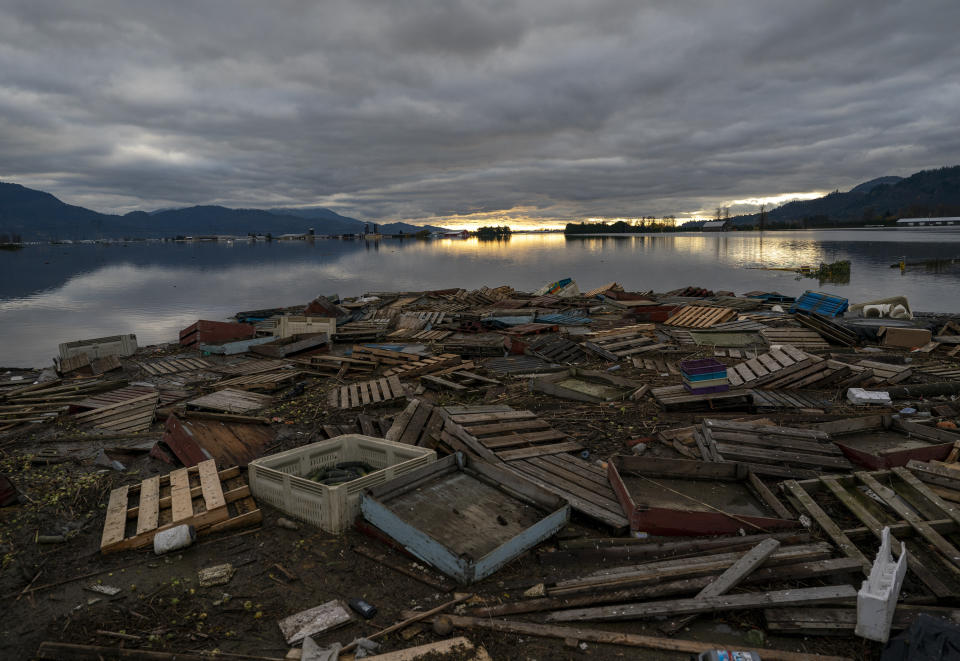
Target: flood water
[{"x": 56, "y": 293}]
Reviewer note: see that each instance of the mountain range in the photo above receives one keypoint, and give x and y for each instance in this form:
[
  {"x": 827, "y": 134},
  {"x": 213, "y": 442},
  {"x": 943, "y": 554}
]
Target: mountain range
[
  {"x": 879, "y": 201},
  {"x": 37, "y": 215}
]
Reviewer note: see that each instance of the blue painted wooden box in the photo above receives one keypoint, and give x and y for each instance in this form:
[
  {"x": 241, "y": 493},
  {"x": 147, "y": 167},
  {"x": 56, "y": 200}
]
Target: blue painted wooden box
[{"x": 465, "y": 517}]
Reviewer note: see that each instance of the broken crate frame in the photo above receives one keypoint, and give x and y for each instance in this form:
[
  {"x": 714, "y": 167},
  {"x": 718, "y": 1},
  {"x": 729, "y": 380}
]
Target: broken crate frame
[
  {"x": 463, "y": 516},
  {"x": 681, "y": 518}
]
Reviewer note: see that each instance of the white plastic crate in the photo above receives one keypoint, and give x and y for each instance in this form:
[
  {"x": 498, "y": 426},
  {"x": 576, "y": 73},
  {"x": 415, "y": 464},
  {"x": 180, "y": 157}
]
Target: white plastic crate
[{"x": 277, "y": 478}]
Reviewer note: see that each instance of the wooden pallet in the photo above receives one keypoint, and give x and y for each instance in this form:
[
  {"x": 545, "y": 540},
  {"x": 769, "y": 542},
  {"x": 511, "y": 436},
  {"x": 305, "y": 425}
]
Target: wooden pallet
[
  {"x": 616, "y": 347},
  {"x": 364, "y": 424},
  {"x": 828, "y": 328},
  {"x": 886, "y": 373},
  {"x": 198, "y": 496},
  {"x": 99, "y": 400},
  {"x": 658, "y": 365},
  {"x": 532, "y": 329},
  {"x": 582, "y": 484},
  {"x": 771, "y": 367},
  {"x": 175, "y": 365},
  {"x": 735, "y": 353},
  {"x": 367, "y": 393},
  {"x": 262, "y": 381},
  {"x": 129, "y": 416},
  {"x": 482, "y": 344},
  {"x": 557, "y": 350},
  {"x": 419, "y": 424},
  {"x": 384, "y": 356},
  {"x": 459, "y": 380},
  {"x": 362, "y": 330},
  {"x": 944, "y": 371},
  {"x": 426, "y": 365},
  {"x": 73, "y": 363},
  {"x": 229, "y": 400},
  {"x": 804, "y": 338},
  {"x": 105, "y": 364},
  {"x": 250, "y": 366},
  {"x": 740, "y": 326},
  {"x": 673, "y": 398},
  {"x": 500, "y": 433},
  {"x": 697, "y": 316},
  {"x": 420, "y": 335},
  {"x": 909, "y": 500},
  {"x": 782, "y": 452},
  {"x": 777, "y": 400}
]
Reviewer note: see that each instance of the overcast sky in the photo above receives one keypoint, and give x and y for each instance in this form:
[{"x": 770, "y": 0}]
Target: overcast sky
[{"x": 473, "y": 110}]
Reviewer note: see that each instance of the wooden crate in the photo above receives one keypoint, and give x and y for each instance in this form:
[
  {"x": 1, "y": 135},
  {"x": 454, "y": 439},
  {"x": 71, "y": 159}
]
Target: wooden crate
[
  {"x": 465, "y": 517},
  {"x": 198, "y": 496}
]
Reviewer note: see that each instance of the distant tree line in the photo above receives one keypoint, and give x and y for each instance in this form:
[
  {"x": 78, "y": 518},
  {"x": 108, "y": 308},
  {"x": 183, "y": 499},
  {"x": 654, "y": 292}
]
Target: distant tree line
[
  {"x": 494, "y": 232},
  {"x": 645, "y": 224}
]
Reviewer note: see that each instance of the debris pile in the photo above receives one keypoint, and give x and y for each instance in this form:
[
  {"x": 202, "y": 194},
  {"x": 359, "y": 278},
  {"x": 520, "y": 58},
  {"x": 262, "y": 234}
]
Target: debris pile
[{"x": 476, "y": 474}]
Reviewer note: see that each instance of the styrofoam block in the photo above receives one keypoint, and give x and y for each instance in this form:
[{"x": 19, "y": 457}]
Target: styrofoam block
[
  {"x": 877, "y": 599},
  {"x": 861, "y": 396}
]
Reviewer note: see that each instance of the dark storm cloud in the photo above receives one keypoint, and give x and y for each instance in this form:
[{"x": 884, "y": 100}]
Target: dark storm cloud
[{"x": 416, "y": 109}]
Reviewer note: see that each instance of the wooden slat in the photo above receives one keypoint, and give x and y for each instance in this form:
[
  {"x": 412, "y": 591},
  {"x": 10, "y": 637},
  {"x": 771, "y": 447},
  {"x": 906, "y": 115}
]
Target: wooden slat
[
  {"x": 181, "y": 503},
  {"x": 149, "y": 508},
  {"x": 114, "y": 527},
  {"x": 210, "y": 484},
  {"x": 827, "y": 524}
]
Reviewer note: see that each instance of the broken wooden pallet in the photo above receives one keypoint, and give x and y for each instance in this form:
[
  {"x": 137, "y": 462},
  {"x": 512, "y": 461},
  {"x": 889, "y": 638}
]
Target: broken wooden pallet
[
  {"x": 698, "y": 316},
  {"x": 500, "y": 433},
  {"x": 231, "y": 401},
  {"x": 262, "y": 381},
  {"x": 426, "y": 365},
  {"x": 532, "y": 329},
  {"x": 479, "y": 344},
  {"x": 582, "y": 484},
  {"x": 367, "y": 393},
  {"x": 658, "y": 365},
  {"x": 773, "y": 367},
  {"x": 249, "y": 366},
  {"x": 198, "y": 496},
  {"x": 783, "y": 452},
  {"x": 885, "y": 372},
  {"x": 617, "y": 346},
  {"x": 129, "y": 416},
  {"x": 739, "y": 326},
  {"x": 459, "y": 380},
  {"x": 363, "y": 424},
  {"x": 362, "y": 330},
  {"x": 778, "y": 400},
  {"x": 174, "y": 365},
  {"x": 673, "y": 398},
  {"x": 557, "y": 350},
  {"x": 946, "y": 371},
  {"x": 901, "y": 499},
  {"x": 419, "y": 424},
  {"x": 828, "y": 328},
  {"x": 420, "y": 335},
  {"x": 384, "y": 356},
  {"x": 803, "y": 338}
]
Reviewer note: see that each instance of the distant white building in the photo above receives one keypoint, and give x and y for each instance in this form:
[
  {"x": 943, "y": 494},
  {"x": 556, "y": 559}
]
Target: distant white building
[{"x": 928, "y": 222}]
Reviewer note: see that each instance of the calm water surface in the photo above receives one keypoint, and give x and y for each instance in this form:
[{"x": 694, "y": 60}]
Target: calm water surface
[{"x": 53, "y": 294}]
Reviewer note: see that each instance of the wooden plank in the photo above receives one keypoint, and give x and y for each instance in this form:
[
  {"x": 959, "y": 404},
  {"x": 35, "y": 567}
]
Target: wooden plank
[
  {"x": 539, "y": 450},
  {"x": 827, "y": 524},
  {"x": 210, "y": 485},
  {"x": 395, "y": 387},
  {"x": 400, "y": 424},
  {"x": 181, "y": 503},
  {"x": 149, "y": 509},
  {"x": 729, "y": 579},
  {"x": 746, "y": 601},
  {"x": 114, "y": 527}
]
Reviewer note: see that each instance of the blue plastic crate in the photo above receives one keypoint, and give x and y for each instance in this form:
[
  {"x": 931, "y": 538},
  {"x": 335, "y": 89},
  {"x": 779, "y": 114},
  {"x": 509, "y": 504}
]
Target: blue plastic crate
[{"x": 825, "y": 304}]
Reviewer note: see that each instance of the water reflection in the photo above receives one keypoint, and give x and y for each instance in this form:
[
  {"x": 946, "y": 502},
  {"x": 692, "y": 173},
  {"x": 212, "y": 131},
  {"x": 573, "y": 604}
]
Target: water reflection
[{"x": 51, "y": 294}]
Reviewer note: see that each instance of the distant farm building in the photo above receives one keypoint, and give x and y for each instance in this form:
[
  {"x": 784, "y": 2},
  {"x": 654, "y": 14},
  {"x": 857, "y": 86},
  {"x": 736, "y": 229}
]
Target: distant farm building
[
  {"x": 928, "y": 222},
  {"x": 717, "y": 226}
]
